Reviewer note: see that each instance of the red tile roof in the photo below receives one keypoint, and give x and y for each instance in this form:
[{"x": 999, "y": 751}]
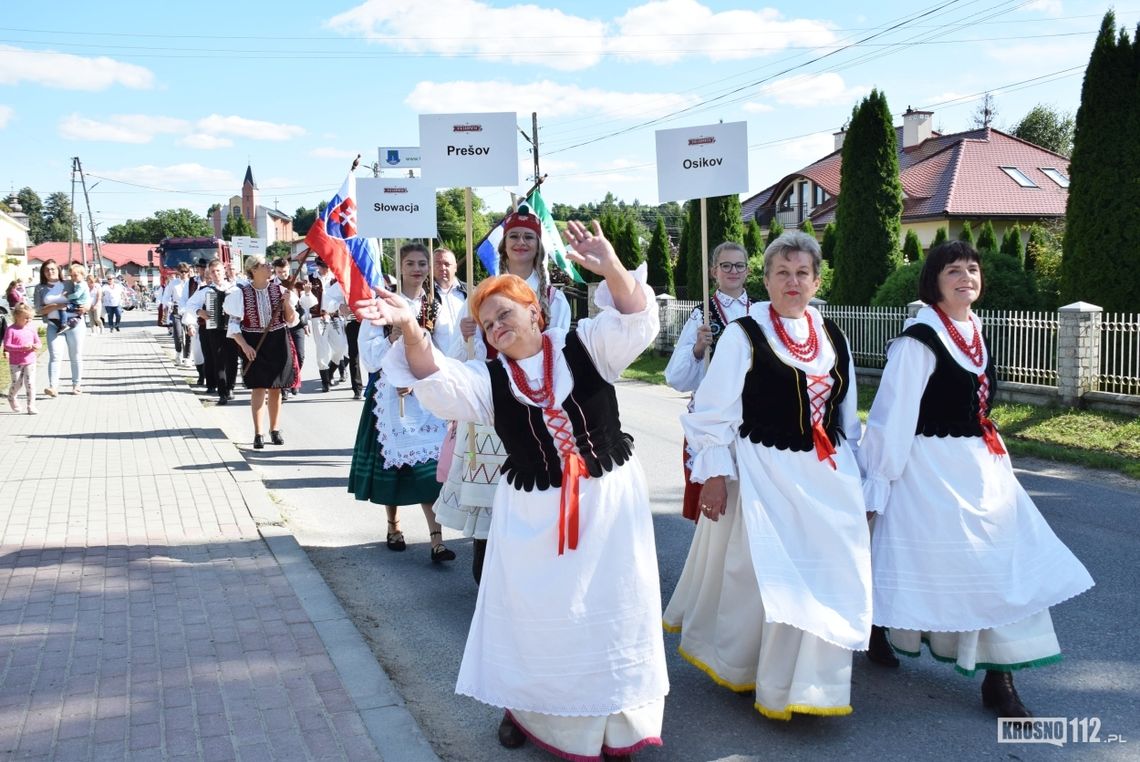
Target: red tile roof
[
  {"x": 119, "y": 253},
  {"x": 955, "y": 175}
]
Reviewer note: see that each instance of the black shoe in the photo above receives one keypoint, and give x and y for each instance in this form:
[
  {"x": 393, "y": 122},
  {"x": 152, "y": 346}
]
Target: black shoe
[
  {"x": 324, "y": 387},
  {"x": 510, "y": 734},
  {"x": 880, "y": 651},
  {"x": 358, "y": 395},
  {"x": 276, "y": 438},
  {"x": 441, "y": 553},
  {"x": 258, "y": 442},
  {"x": 211, "y": 390},
  {"x": 231, "y": 394},
  {"x": 223, "y": 399},
  {"x": 479, "y": 552},
  {"x": 999, "y": 694}
]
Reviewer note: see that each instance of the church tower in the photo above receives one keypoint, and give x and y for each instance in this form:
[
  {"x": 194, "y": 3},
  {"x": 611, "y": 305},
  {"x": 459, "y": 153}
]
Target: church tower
[{"x": 248, "y": 195}]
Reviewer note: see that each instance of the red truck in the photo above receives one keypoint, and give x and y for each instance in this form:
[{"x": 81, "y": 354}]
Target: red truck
[{"x": 189, "y": 250}]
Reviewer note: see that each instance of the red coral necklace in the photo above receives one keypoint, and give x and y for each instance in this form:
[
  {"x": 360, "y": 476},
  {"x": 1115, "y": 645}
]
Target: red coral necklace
[
  {"x": 804, "y": 351},
  {"x": 973, "y": 349},
  {"x": 544, "y": 394}
]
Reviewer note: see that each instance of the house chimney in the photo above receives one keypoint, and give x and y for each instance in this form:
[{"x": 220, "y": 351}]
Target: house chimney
[
  {"x": 839, "y": 136},
  {"x": 917, "y": 126}
]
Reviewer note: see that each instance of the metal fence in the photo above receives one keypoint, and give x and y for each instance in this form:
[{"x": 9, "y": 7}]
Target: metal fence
[
  {"x": 1024, "y": 343},
  {"x": 1119, "y": 353}
]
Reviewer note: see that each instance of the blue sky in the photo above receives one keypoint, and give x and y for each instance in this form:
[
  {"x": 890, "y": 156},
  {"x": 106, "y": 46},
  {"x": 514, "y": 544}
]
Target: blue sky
[{"x": 165, "y": 103}]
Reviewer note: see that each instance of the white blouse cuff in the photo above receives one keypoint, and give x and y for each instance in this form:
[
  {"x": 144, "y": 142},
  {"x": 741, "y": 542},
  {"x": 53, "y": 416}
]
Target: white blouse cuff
[
  {"x": 605, "y": 300},
  {"x": 713, "y": 461},
  {"x": 876, "y": 492}
]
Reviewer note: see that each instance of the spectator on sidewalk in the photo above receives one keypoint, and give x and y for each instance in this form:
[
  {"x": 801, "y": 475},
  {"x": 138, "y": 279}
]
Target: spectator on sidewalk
[
  {"x": 49, "y": 301},
  {"x": 15, "y": 293},
  {"x": 96, "y": 312},
  {"x": 113, "y": 296},
  {"x": 21, "y": 341}
]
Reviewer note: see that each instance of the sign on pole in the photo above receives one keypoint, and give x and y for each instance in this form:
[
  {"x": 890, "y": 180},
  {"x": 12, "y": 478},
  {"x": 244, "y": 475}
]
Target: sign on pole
[
  {"x": 403, "y": 157},
  {"x": 470, "y": 150},
  {"x": 699, "y": 162},
  {"x": 395, "y": 208}
]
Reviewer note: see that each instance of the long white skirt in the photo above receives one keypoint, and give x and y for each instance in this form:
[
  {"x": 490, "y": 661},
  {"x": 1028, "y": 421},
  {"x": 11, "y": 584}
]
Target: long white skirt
[
  {"x": 1031, "y": 642},
  {"x": 718, "y": 608}
]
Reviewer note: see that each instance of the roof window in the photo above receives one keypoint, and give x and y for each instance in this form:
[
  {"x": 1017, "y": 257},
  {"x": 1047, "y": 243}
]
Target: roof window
[
  {"x": 1055, "y": 175},
  {"x": 1019, "y": 177}
]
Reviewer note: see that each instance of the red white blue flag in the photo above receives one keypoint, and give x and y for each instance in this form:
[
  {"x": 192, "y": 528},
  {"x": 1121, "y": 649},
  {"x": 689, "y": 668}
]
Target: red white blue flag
[{"x": 355, "y": 261}]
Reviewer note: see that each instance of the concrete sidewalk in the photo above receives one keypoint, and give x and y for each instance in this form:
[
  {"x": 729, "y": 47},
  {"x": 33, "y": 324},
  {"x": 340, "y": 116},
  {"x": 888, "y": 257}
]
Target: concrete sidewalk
[{"x": 151, "y": 606}]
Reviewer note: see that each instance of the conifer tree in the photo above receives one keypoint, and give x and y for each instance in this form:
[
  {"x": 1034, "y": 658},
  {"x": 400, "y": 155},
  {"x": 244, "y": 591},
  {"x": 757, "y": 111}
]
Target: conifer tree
[
  {"x": 775, "y": 230},
  {"x": 967, "y": 233},
  {"x": 753, "y": 239},
  {"x": 1101, "y": 261},
  {"x": 987, "y": 238},
  {"x": 912, "y": 247},
  {"x": 941, "y": 236},
  {"x": 627, "y": 245},
  {"x": 725, "y": 220},
  {"x": 827, "y": 245},
  {"x": 808, "y": 228},
  {"x": 693, "y": 277},
  {"x": 869, "y": 211},
  {"x": 660, "y": 268},
  {"x": 1011, "y": 243}
]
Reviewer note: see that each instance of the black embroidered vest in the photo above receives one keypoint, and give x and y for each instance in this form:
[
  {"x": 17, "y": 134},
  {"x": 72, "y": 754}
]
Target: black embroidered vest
[
  {"x": 949, "y": 405},
  {"x": 532, "y": 455},
  {"x": 716, "y": 323},
  {"x": 776, "y": 405}
]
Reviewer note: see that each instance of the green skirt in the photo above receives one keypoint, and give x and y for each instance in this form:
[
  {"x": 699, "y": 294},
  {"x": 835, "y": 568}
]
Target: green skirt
[{"x": 368, "y": 477}]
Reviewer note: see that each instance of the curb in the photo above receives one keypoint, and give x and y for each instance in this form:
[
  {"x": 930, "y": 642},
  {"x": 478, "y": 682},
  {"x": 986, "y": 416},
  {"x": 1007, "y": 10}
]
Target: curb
[{"x": 392, "y": 728}]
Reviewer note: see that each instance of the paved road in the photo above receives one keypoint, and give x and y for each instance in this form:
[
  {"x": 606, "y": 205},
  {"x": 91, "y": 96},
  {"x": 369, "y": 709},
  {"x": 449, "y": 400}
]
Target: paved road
[{"x": 415, "y": 615}]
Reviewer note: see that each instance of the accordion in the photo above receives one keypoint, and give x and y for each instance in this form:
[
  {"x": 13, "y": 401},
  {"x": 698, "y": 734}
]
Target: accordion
[{"x": 213, "y": 305}]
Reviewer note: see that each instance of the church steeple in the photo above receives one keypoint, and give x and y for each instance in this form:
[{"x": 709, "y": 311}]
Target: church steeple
[
  {"x": 249, "y": 177},
  {"x": 249, "y": 195}
]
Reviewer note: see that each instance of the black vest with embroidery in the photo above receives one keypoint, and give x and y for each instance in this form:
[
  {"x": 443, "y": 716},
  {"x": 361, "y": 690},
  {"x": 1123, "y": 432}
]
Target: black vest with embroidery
[
  {"x": 716, "y": 324},
  {"x": 949, "y": 405},
  {"x": 775, "y": 401},
  {"x": 533, "y": 459}
]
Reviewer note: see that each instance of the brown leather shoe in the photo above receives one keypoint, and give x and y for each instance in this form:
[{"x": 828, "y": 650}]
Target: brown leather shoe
[{"x": 510, "y": 734}]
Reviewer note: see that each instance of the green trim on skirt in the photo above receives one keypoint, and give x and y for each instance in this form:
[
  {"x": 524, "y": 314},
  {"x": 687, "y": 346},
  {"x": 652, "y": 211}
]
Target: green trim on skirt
[{"x": 369, "y": 479}]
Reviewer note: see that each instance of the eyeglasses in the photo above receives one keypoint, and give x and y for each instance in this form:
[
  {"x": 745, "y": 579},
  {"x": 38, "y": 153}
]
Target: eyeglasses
[{"x": 729, "y": 267}]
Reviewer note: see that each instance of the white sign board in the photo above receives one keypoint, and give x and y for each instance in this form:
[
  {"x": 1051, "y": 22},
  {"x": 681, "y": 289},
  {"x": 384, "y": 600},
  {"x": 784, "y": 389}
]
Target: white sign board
[
  {"x": 700, "y": 162},
  {"x": 240, "y": 242},
  {"x": 470, "y": 150},
  {"x": 405, "y": 157},
  {"x": 395, "y": 208},
  {"x": 256, "y": 246}
]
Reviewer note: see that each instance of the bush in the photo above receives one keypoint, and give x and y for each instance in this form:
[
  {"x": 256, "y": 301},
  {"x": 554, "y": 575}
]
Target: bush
[
  {"x": 1007, "y": 285},
  {"x": 1047, "y": 273},
  {"x": 900, "y": 288}
]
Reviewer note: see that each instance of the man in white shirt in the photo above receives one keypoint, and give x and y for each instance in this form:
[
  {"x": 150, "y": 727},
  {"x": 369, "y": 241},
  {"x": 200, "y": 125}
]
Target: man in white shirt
[
  {"x": 450, "y": 293},
  {"x": 219, "y": 351},
  {"x": 328, "y": 333},
  {"x": 113, "y": 296},
  {"x": 173, "y": 298}
]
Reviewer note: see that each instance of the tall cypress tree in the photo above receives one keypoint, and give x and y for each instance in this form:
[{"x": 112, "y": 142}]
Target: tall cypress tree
[
  {"x": 827, "y": 245},
  {"x": 725, "y": 220},
  {"x": 987, "y": 238},
  {"x": 967, "y": 234},
  {"x": 681, "y": 276},
  {"x": 869, "y": 212},
  {"x": 912, "y": 247},
  {"x": 775, "y": 230},
  {"x": 1100, "y": 262},
  {"x": 1011, "y": 243},
  {"x": 941, "y": 236},
  {"x": 693, "y": 277},
  {"x": 660, "y": 268},
  {"x": 753, "y": 239},
  {"x": 627, "y": 245}
]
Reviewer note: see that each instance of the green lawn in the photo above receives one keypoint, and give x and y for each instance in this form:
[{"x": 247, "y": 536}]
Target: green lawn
[{"x": 1087, "y": 438}]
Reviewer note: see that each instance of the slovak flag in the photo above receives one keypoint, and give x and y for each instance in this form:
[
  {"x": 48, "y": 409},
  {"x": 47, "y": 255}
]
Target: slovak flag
[{"x": 355, "y": 261}]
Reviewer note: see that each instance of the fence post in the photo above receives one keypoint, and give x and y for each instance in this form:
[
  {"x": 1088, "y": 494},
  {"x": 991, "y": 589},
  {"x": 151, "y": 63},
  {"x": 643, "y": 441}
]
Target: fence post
[
  {"x": 663, "y": 317},
  {"x": 1078, "y": 350},
  {"x": 591, "y": 308}
]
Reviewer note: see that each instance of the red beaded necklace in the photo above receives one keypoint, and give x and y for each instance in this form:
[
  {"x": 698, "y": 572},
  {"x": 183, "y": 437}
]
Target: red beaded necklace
[
  {"x": 805, "y": 351},
  {"x": 974, "y": 349},
  {"x": 544, "y": 394}
]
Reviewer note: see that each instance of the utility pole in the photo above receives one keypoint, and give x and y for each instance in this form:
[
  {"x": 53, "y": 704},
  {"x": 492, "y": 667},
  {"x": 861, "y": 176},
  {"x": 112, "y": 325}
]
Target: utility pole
[
  {"x": 534, "y": 142},
  {"x": 71, "y": 225},
  {"x": 98, "y": 253}
]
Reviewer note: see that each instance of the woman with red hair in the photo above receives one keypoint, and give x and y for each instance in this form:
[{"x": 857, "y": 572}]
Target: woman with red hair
[{"x": 566, "y": 633}]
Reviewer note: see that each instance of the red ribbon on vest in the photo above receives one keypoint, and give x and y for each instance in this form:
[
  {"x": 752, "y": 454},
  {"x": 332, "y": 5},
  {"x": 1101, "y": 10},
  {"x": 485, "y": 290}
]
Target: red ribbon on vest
[
  {"x": 990, "y": 435},
  {"x": 823, "y": 446}
]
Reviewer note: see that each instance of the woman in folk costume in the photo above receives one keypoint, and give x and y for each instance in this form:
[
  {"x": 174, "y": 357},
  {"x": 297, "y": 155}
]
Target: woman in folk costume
[
  {"x": 686, "y": 368},
  {"x": 776, "y": 590},
  {"x": 261, "y": 311},
  {"x": 465, "y": 500},
  {"x": 397, "y": 444},
  {"x": 962, "y": 558},
  {"x": 565, "y": 634}
]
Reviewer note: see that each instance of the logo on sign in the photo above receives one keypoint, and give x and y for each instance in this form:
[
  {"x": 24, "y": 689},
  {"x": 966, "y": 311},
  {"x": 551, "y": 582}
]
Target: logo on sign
[
  {"x": 396, "y": 190},
  {"x": 393, "y": 156},
  {"x": 701, "y": 141},
  {"x": 467, "y": 128}
]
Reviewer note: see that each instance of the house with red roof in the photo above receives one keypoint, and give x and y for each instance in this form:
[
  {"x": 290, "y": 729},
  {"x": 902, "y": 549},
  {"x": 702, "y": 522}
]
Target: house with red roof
[
  {"x": 976, "y": 175},
  {"x": 130, "y": 260}
]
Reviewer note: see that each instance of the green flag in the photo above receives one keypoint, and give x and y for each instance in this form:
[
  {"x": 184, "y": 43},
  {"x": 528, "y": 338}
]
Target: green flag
[{"x": 551, "y": 238}]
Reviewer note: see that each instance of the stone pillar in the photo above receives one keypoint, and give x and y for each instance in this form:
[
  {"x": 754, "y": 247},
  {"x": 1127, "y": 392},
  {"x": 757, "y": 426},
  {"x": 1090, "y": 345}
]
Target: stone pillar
[
  {"x": 666, "y": 319},
  {"x": 913, "y": 308},
  {"x": 1078, "y": 351},
  {"x": 591, "y": 289}
]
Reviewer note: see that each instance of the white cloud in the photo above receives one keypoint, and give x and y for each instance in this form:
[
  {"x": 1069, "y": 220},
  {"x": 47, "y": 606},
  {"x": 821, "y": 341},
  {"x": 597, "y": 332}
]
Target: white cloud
[
  {"x": 324, "y": 152},
  {"x": 123, "y": 128},
  {"x": 808, "y": 148},
  {"x": 756, "y": 107},
  {"x": 664, "y": 31},
  {"x": 660, "y": 31},
  {"x": 550, "y": 99},
  {"x": 205, "y": 141},
  {"x": 519, "y": 33},
  {"x": 254, "y": 129},
  {"x": 1048, "y": 7},
  {"x": 189, "y": 176},
  {"x": 804, "y": 90},
  {"x": 5, "y": 115},
  {"x": 69, "y": 72}
]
